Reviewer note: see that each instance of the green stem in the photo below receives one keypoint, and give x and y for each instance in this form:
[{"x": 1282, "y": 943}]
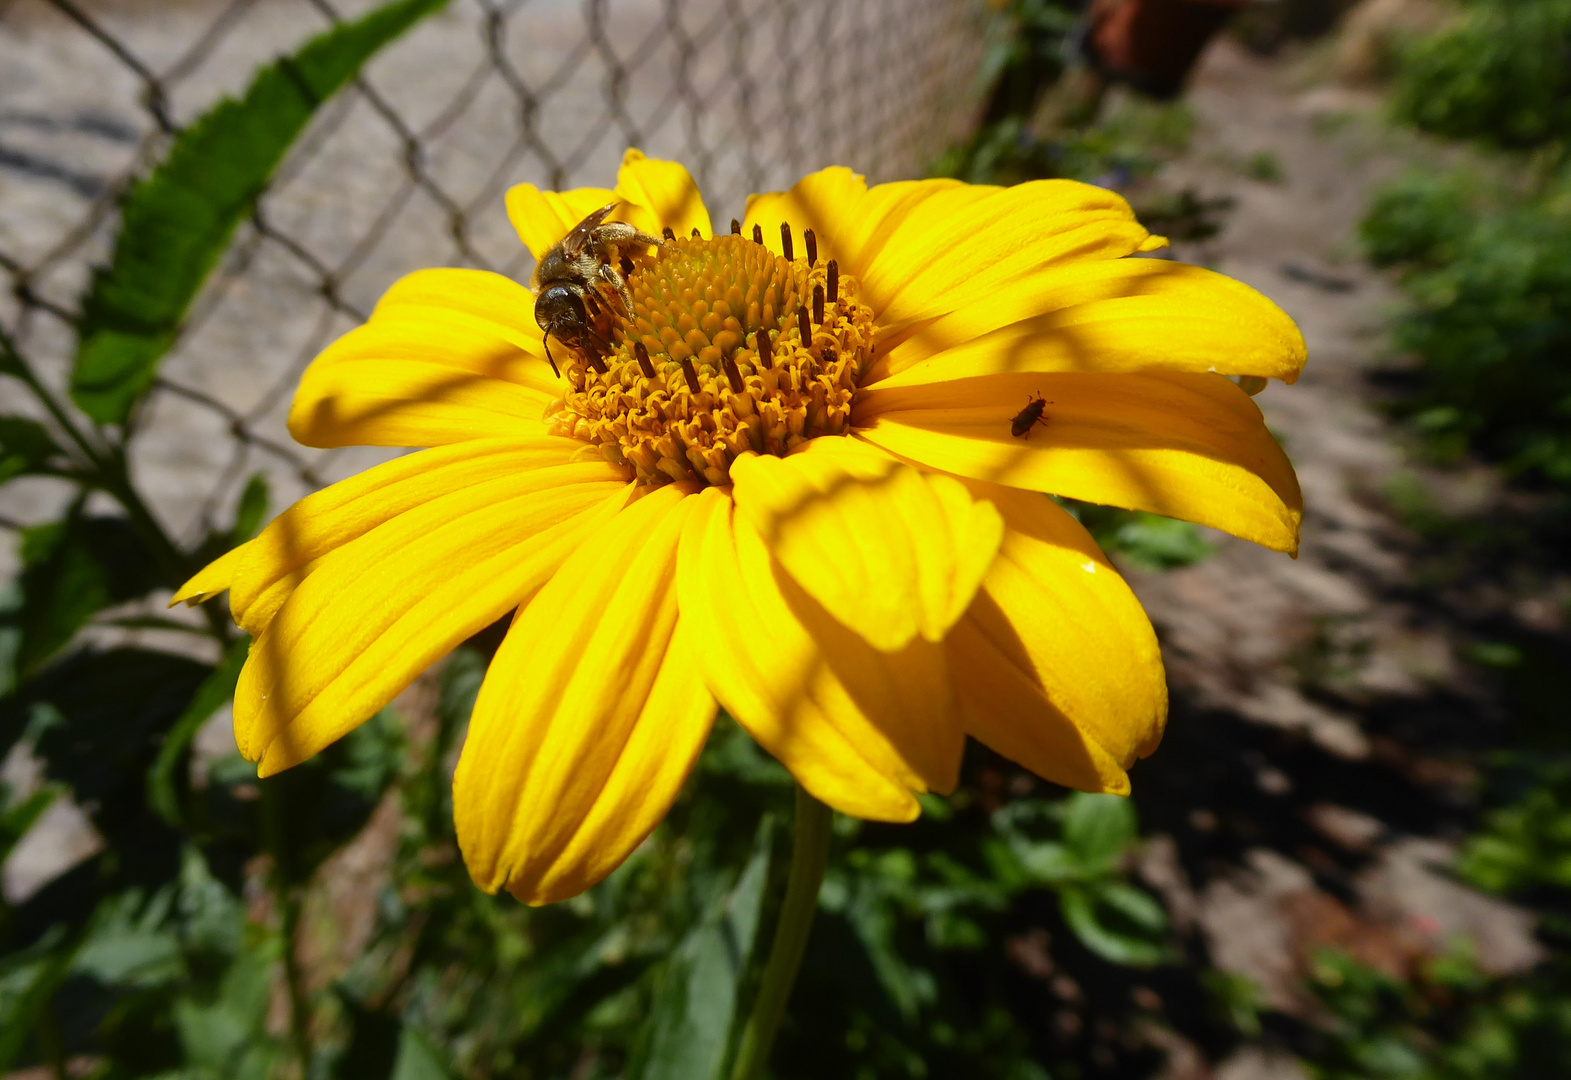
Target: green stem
[
  {"x": 29, "y": 378},
  {"x": 809, "y": 855},
  {"x": 106, "y": 470},
  {"x": 51, "y": 1043},
  {"x": 287, "y": 899}
]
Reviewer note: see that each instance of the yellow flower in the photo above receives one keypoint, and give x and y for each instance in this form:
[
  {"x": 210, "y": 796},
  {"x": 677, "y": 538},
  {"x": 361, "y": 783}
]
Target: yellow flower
[{"x": 837, "y": 534}]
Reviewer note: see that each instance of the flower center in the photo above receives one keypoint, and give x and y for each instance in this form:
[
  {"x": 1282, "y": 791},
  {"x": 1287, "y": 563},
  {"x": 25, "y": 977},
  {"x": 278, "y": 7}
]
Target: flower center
[{"x": 728, "y": 348}]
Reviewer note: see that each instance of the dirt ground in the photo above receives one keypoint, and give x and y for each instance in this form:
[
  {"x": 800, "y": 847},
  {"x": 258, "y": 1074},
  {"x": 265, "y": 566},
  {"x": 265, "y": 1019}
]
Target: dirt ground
[{"x": 1323, "y": 699}]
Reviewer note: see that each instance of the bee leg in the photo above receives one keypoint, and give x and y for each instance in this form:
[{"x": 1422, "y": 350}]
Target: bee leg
[
  {"x": 596, "y": 348},
  {"x": 546, "y": 341},
  {"x": 625, "y": 235},
  {"x": 613, "y": 277}
]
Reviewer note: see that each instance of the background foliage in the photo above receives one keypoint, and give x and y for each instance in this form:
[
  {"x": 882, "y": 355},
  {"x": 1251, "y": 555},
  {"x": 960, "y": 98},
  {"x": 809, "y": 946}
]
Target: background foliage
[{"x": 1484, "y": 249}]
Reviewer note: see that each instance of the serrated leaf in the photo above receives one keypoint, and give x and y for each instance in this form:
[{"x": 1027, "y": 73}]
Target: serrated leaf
[
  {"x": 130, "y": 943},
  {"x": 176, "y": 223},
  {"x": 695, "y": 1006},
  {"x": 112, "y": 708},
  {"x": 227, "y": 1034},
  {"x": 71, "y": 570}
]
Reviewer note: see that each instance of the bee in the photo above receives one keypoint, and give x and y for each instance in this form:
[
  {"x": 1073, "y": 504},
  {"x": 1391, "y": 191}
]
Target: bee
[
  {"x": 1028, "y": 417},
  {"x": 568, "y": 302}
]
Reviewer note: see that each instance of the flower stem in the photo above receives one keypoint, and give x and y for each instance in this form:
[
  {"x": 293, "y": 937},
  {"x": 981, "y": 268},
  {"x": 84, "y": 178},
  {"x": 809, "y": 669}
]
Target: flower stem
[
  {"x": 286, "y": 898},
  {"x": 809, "y": 854}
]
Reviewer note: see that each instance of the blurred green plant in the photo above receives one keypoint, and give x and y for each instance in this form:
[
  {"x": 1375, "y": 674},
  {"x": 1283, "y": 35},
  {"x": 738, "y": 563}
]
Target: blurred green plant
[
  {"x": 1449, "y": 1022},
  {"x": 142, "y": 958},
  {"x": 1490, "y": 318},
  {"x": 1487, "y": 263},
  {"x": 1498, "y": 74}
]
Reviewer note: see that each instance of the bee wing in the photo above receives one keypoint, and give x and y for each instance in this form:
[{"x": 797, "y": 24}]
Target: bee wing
[{"x": 578, "y": 239}]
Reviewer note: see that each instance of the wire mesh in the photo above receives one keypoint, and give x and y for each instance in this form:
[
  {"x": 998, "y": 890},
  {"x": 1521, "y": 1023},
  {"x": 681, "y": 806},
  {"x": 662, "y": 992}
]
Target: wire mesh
[{"x": 407, "y": 168}]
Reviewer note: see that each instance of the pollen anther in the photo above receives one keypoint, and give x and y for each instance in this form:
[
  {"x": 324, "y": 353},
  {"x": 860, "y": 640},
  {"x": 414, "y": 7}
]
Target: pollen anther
[{"x": 719, "y": 355}]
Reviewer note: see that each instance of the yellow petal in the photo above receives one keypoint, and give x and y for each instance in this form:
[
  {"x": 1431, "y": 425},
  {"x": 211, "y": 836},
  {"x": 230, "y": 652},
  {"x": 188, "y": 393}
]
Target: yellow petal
[
  {"x": 666, "y": 191},
  {"x": 382, "y": 608},
  {"x": 850, "y": 222},
  {"x": 209, "y": 581},
  {"x": 416, "y": 384},
  {"x": 1056, "y": 663},
  {"x": 588, "y": 721},
  {"x": 278, "y": 560},
  {"x": 447, "y": 355},
  {"x": 542, "y": 218},
  {"x": 946, "y": 257},
  {"x": 1181, "y": 445},
  {"x": 650, "y": 194},
  {"x": 478, "y": 299},
  {"x": 889, "y": 551},
  {"x": 860, "y": 729},
  {"x": 1111, "y": 316},
  {"x": 922, "y": 248}
]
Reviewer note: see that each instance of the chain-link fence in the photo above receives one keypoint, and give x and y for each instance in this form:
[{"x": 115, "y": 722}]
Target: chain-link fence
[{"x": 407, "y": 167}]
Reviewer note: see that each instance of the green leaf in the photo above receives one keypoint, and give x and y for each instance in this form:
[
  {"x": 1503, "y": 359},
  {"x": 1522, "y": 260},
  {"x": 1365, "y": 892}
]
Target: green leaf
[
  {"x": 1160, "y": 543},
  {"x": 10, "y": 636},
  {"x": 1099, "y": 917},
  {"x": 417, "y": 1058},
  {"x": 216, "y": 689},
  {"x": 129, "y": 943},
  {"x": 71, "y": 570},
  {"x": 250, "y": 511},
  {"x": 27, "y": 449},
  {"x": 11, "y": 362},
  {"x": 212, "y": 919},
  {"x": 1099, "y": 828},
  {"x": 695, "y": 1006},
  {"x": 226, "y": 1035},
  {"x": 109, "y": 711},
  {"x": 176, "y": 223},
  {"x": 27, "y": 983}
]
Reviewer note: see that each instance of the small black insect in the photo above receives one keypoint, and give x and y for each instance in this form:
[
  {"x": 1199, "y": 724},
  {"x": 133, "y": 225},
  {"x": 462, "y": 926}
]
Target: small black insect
[
  {"x": 1028, "y": 417},
  {"x": 567, "y": 280}
]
